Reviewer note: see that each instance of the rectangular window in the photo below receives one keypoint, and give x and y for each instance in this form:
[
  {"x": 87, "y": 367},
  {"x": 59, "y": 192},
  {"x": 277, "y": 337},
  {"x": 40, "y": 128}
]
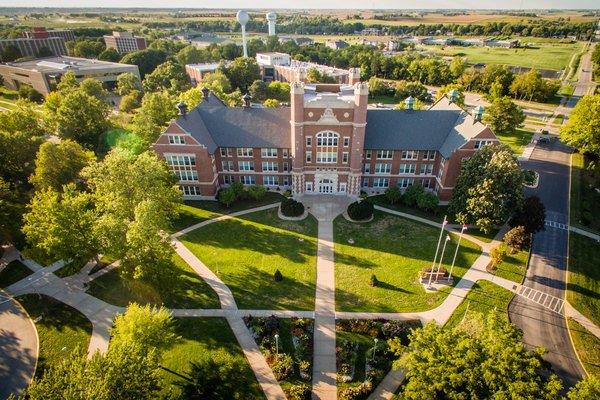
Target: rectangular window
[
  {"x": 246, "y": 165},
  {"x": 345, "y": 157},
  {"x": 309, "y": 156},
  {"x": 227, "y": 165},
  {"x": 365, "y": 182},
  {"x": 385, "y": 154},
  {"x": 270, "y": 180},
  {"x": 269, "y": 166},
  {"x": 177, "y": 139},
  {"x": 405, "y": 182},
  {"x": 427, "y": 183},
  {"x": 327, "y": 139},
  {"x": 346, "y": 141},
  {"x": 183, "y": 166},
  {"x": 426, "y": 169},
  {"x": 384, "y": 168},
  {"x": 286, "y": 181},
  {"x": 327, "y": 157},
  {"x": 381, "y": 182},
  {"x": 248, "y": 179},
  {"x": 368, "y": 154},
  {"x": 480, "y": 143},
  {"x": 308, "y": 141},
  {"x": 367, "y": 168},
  {"x": 286, "y": 152},
  {"x": 190, "y": 191},
  {"x": 245, "y": 152},
  {"x": 407, "y": 168},
  {"x": 286, "y": 166},
  {"x": 268, "y": 153},
  {"x": 428, "y": 155},
  {"x": 225, "y": 152},
  {"x": 228, "y": 179},
  {"x": 410, "y": 154}
]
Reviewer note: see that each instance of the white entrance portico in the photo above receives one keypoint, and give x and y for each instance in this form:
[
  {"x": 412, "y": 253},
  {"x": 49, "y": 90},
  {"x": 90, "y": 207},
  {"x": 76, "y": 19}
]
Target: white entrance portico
[{"x": 326, "y": 182}]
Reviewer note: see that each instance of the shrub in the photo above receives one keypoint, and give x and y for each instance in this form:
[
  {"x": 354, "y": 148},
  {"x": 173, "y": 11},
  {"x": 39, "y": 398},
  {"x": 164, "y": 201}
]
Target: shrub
[
  {"x": 283, "y": 366},
  {"x": 532, "y": 215},
  {"x": 29, "y": 93},
  {"x": 412, "y": 194},
  {"x": 393, "y": 194},
  {"x": 256, "y": 192},
  {"x": 497, "y": 254},
  {"x": 359, "y": 392},
  {"x": 227, "y": 196},
  {"x": 300, "y": 391},
  {"x": 287, "y": 193},
  {"x": 398, "y": 329},
  {"x": 238, "y": 189},
  {"x": 130, "y": 101},
  {"x": 277, "y": 277},
  {"x": 292, "y": 208},
  {"x": 516, "y": 239},
  {"x": 360, "y": 210},
  {"x": 373, "y": 281},
  {"x": 428, "y": 201}
]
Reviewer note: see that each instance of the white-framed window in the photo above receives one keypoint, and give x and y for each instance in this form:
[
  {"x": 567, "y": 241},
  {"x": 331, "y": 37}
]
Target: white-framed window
[
  {"x": 407, "y": 168},
  {"x": 246, "y": 165},
  {"x": 228, "y": 179},
  {"x": 405, "y": 182},
  {"x": 226, "y": 152},
  {"x": 183, "y": 166},
  {"x": 248, "y": 179},
  {"x": 269, "y": 180},
  {"x": 327, "y": 138},
  {"x": 365, "y": 182},
  {"x": 385, "y": 154},
  {"x": 426, "y": 183},
  {"x": 381, "y": 182},
  {"x": 227, "y": 165},
  {"x": 308, "y": 141},
  {"x": 327, "y": 157},
  {"x": 345, "y": 157},
  {"x": 367, "y": 168},
  {"x": 268, "y": 153},
  {"x": 309, "y": 156},
  {"x": 410, "y": 154},
  {"x": 245, "y": 152},
  {"x": 346, "y": 141},
  {"x": 367, "y": 154},
  {"x": 286, "y": 181},
  {"x": 286, "y": 166},
  {"x": 383, "y": 168},
  {"x": 286, "y": 153},
  {"x": 480, "y": 143},
  {"x": 190, "y": 191},
  {"x": 428, "y": 155},
  {"x": 441, "y": 170},
  {"x": 269, "y": 166},
  {"x": 177, "y": 139},
  {"x": 426, "y": 169}
]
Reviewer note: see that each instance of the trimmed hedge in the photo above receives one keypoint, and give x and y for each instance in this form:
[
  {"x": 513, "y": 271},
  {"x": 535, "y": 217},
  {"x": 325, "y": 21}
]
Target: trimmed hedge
[
  {"x": 360, "y": 210},
  {"x": 292, "y": 208}
]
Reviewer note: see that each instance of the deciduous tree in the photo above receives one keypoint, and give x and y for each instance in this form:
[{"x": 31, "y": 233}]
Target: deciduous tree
[
  {"x": 151, "y": 119},
  {"x": 582, "y": 130},
  {"x": 168, "y": 76},
  {"x": 504, "y": 116},
  {"x": 531, "y": 216}
]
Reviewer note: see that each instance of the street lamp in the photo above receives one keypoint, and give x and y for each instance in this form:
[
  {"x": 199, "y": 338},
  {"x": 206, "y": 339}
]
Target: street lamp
[
  {"x": 463, "y": 229},
  {"x": 374, "y": 348},
  {"x": 436, "y": 252},
  {"x": 442, "y": 257},
  {"x": 277, "y": 344}
]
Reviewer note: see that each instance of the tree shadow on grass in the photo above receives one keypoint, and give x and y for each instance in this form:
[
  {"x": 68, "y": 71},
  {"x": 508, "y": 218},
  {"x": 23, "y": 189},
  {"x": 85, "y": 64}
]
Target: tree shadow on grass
[{"x": 15, "y": 363}]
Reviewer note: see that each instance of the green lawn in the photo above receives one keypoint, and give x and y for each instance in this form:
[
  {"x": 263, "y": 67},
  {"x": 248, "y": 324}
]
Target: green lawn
[
  {"x": 587, "y": 346},
  {"x": 513, "y": 267},
  {"x": 585, "y": 201},
  {"x": 583, "y": 288},
  {"x": 182, "y": 289},
  {"x": 14, "y": 272},
  {"x": 365, "y": 342},
  {"x": 384, "y": 99},
  {"x": 206, "y": 337},
  {"x": 437, "y": 216},
  {"x": 194, "y": 211},
  {"x": 517, "y": 140},
  {"x": 483, "y": 298},
  {"x": 245, "y": 252},
  {"x": 60, "y": 328},
  {"x": 395, "y": 250},
  {"x": 555, "y": 56},
  {"x": 70, "y": 268}
]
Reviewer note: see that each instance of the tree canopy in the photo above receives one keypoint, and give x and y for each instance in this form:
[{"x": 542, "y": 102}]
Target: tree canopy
[
  {"x": 504, "y": 116},
  {"x": 582, "y": 130},
  {"x": 169, "y": 76}
]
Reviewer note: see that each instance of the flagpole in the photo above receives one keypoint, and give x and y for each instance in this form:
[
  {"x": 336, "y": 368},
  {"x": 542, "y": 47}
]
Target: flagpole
[
  {"x": 442, "y": 257},
  {"x": 463, "y": 229},
  {"x": 436, "y": 252}
]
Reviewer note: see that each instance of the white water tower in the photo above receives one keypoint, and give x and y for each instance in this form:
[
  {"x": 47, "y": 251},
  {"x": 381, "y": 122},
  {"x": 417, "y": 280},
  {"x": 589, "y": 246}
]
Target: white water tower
[
  {"x": 271, "y": 20},
  {"x": 243, "y": 18}
]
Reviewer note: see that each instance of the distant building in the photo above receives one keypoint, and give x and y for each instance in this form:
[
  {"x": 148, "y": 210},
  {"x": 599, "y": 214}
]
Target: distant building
[
  {"x": 366, "y": 42},
  {"x": 43, "y": 33},
  {"x": 33, "y": 47},
  {"x": 196, "y": 72},
  {"x": 370, "y": 31},
  {"x": 300, "y": 41},
  {"x": 336, "y": 44},
  {"x": 124, "y": 42},
  {"x": 509, "y": 44},
  {"x": 45, "y": 73}
]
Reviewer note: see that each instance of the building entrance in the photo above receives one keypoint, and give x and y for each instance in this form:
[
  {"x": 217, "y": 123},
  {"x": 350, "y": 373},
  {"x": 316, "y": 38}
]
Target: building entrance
[{"x": 326, "y": 186}]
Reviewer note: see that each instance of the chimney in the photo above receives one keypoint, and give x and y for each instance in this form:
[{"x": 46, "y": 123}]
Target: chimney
[
  {"x": 409, "y": 103},
  {"x": 478, "y": 113},
  {"x": 246, "y": 98},
  {"x": 453, "y": 95},
  {"x": 182, "y": 107},
  {"x": 205, "y": 93}
]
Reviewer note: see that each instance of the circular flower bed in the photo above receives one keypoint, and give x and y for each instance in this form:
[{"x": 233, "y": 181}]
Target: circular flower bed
[
  {"x": 292, "y": 208},
  {"x": 360, "y": 210}
]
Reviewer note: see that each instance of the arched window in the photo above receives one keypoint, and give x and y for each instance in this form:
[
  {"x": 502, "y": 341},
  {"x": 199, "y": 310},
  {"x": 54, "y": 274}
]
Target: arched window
[{"x": 327, "y": 138}]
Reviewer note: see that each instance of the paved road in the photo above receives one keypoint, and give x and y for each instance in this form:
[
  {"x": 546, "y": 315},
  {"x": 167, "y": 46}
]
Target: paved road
[
  {"x": 19, "y": 344},
  {"x": 547, "y": 267}
]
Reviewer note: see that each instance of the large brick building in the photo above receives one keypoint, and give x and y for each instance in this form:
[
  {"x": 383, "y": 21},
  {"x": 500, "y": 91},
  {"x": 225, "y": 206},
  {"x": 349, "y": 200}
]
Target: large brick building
[
  {"x": 124, "y": 42},
  {"x": 327, "y": 141}
]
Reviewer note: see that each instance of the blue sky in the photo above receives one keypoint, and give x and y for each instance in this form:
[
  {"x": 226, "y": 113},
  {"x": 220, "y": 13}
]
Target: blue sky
[{"x": 346, "y": 4}]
